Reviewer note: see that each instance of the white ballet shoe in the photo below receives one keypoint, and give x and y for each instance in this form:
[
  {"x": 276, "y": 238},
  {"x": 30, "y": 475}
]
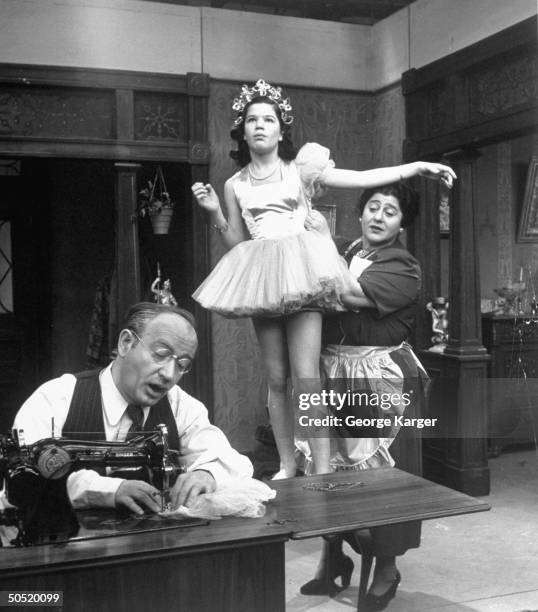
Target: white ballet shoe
[{"x": 280, "y": 475}]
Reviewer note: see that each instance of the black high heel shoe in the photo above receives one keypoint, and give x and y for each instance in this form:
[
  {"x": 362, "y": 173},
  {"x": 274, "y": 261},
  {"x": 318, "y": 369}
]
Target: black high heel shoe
[
  {"x": 341, "y": 568},
  {"x": 374, "y": 603}
]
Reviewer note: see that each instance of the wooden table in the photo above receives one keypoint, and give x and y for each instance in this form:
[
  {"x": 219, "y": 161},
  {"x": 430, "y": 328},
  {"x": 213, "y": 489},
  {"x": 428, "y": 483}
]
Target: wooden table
[{"x": 230, "y": 565}]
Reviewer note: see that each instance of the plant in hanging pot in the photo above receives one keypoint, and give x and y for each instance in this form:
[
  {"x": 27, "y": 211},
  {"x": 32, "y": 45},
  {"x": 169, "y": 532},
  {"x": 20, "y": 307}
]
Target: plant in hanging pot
[{"x": 155, "y": 202}]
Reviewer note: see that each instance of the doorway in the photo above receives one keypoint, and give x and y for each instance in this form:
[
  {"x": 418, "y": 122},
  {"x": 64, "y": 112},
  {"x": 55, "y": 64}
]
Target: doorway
[{"x": 57, "y": 254}]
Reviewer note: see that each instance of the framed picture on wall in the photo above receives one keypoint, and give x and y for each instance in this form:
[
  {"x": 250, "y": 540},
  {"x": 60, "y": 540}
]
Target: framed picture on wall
[
  {"x": 329, "y": 212},
  {"x": 528, "y": 223}
]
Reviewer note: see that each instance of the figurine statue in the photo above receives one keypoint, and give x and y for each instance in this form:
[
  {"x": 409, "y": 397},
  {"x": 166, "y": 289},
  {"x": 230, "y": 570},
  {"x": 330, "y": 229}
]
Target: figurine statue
[
  {"x": 164, "y": 295},
  {"x": 511, "y": 294},
  {"x": 439, "y": 309}
]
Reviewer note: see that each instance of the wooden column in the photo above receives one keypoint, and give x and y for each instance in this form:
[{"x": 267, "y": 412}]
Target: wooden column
[
  {"x": 423, "y": 241},
  {"x": 127, "y": 260},
  {"x": 459, "y": 392},
  {"x": 464, "y": 311}
]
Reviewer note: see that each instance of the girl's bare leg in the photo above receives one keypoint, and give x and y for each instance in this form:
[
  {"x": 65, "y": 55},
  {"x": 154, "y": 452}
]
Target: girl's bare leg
[
  {"x": 271, "y": 335},
  {"x": 304, "y": 346}
]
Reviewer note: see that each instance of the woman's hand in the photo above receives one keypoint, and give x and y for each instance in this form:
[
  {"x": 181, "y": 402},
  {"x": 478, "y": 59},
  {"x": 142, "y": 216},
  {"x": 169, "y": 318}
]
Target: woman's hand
[
  {"x": 316, "y": 221},
  {"x": 438, "y": 172},
  {"x": 206, "y": 196}
]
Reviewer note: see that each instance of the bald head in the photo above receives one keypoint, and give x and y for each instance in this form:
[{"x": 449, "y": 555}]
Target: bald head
[
  {"x": 155, "y": 348},
  {"x": 140, "y": 314}
]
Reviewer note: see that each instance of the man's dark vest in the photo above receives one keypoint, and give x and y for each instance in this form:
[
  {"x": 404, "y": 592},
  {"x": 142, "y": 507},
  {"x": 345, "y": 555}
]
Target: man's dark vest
[{"x": 85, "y": 417}]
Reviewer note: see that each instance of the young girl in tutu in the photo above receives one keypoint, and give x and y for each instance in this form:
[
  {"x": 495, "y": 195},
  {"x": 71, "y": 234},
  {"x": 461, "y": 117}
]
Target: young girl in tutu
[{"x": 279, "y": 269}]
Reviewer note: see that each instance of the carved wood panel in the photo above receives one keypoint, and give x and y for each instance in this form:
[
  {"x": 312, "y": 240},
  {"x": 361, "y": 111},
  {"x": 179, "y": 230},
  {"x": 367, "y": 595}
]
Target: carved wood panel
[
  {"x": 503, "y": 87},
  {"x": 56, "y": 113},
  {"x": 87, "y": 113},
  {"x": 479, "y": 95},
  {"x": 160, "y": 117}
]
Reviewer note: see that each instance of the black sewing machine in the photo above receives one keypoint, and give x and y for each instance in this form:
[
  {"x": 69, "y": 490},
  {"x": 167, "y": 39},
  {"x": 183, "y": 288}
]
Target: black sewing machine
[{"x": 35, "y": 477}]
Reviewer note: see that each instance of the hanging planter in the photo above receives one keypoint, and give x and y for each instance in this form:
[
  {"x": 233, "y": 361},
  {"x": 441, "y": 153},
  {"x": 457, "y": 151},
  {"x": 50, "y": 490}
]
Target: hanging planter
[
  {"x": 156, "y": 202},
  {"x": 160, "y": 221}
]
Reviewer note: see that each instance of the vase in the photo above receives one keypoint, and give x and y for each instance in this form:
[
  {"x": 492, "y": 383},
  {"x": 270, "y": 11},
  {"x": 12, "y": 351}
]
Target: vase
[{"x": 161, "y": 221}]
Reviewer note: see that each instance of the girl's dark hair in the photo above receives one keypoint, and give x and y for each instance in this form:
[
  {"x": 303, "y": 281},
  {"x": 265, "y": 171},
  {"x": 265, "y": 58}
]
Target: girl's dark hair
[
  {"x": 407, "y": 197},
  {"x": 286, "y": 149}
]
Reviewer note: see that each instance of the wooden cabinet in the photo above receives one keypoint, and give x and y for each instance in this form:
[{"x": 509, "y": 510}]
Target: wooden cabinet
[{"x": 513, "y": 379}]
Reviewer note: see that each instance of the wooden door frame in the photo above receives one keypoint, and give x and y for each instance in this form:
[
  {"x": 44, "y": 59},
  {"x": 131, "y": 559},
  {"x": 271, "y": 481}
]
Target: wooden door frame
[{"x": 51, "y": 111}]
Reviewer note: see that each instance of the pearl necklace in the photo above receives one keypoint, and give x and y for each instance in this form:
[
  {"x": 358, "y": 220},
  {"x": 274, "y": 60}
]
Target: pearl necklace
[{"x": 263, "y": 178}]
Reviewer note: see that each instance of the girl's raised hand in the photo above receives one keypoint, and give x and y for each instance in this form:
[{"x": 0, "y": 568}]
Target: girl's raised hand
[
  {"x": 206, "y": 196},
  {"x": 438, "y": 172}
]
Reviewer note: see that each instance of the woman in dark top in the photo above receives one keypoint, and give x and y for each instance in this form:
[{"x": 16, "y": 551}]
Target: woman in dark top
[{"x": 366, "y": 347}]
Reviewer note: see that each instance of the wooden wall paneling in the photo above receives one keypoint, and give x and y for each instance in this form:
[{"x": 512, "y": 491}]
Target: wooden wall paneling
[
  {"x": 124, "y": 114},
  {"x": 73, "y": 112},
  {"x": 480, "y": 95},
  {"x": 125, "y": 117},
  {"x": 483, "y": 94}
]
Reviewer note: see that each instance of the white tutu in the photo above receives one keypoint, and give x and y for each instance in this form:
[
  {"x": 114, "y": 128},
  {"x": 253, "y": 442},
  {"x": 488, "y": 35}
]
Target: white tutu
[{"x": 276, "y": 277}]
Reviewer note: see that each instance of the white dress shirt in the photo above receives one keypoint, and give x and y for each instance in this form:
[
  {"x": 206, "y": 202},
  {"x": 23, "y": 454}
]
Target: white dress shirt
[{"x": 202, "y": 445}]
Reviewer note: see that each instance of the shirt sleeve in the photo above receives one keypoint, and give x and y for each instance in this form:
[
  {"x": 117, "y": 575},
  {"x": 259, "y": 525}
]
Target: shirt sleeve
[
  {"x": 204, "y": 446},
  {"x": 392, "y": 281},
  {"x": 47, "y": 405},
  {"x": 311, "y": 161},
  {"x": 88, "y": 489}
]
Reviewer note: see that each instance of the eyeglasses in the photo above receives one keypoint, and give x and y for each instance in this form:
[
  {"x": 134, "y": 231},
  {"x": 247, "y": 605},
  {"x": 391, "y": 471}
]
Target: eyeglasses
[{"x": 162, "y": 356}]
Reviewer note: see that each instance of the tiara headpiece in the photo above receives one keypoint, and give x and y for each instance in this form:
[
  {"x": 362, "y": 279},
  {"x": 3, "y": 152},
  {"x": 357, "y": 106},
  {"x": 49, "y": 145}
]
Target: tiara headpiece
[{"x": 261, "y": 88}]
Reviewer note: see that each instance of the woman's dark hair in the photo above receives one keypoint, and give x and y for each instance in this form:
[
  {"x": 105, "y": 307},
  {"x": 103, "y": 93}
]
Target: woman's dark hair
[
  {"x": 286, "y": 149},
  {"x": 407, "y": 197}
]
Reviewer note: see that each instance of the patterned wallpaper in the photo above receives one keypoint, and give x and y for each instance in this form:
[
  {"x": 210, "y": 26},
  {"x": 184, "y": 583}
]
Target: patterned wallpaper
[
  {"x": 389, "y": 122},
  {"x": 499, "y": 206},
  {"x": 341, "y": 121}
]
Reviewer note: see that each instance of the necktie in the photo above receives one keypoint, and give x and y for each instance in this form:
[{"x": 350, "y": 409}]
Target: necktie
[{"x": 136, "y": 414}]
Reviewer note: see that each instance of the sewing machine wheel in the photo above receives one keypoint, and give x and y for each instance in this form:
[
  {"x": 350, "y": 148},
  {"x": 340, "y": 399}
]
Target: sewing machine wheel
[{"x": 54, "y": 462}]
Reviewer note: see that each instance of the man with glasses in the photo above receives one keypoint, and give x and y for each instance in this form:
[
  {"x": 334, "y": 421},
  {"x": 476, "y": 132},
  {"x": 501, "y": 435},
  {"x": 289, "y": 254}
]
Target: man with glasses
[{"x": 137, "y": 391}]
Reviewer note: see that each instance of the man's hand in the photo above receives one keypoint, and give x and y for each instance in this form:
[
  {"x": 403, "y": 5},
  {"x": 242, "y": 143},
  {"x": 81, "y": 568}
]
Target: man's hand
[
  {"x": 188, "y": 486},
  {"x": 137, "y": 495}
]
